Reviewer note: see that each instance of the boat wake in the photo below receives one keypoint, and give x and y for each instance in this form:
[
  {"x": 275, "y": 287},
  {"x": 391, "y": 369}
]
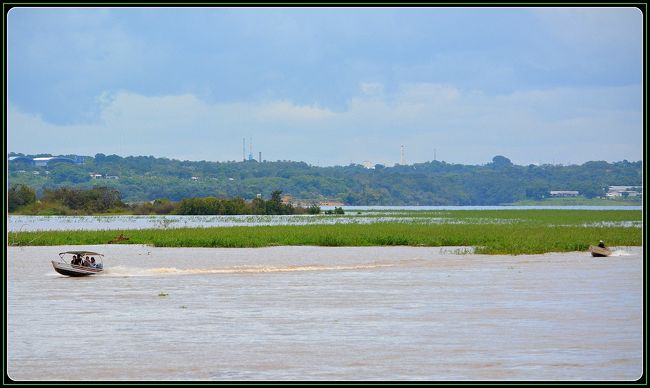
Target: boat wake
[
  {"x": 124, "y": 271},
  {"x": 621, "y": 253}
]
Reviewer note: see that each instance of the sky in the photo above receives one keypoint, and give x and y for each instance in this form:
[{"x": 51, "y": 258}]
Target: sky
[{"x": 328, "y": 86}]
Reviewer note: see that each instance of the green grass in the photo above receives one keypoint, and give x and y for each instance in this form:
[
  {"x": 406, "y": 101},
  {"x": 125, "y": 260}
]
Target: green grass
[{"x": 519, "y": 232}]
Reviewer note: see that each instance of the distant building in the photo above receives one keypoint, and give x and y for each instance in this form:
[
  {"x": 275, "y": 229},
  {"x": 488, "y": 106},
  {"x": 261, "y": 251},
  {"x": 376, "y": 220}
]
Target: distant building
[
  {"x": 100, "y": 176},
  {"x": 624, "y": 191},
  {"x": 564, "y": 194}
]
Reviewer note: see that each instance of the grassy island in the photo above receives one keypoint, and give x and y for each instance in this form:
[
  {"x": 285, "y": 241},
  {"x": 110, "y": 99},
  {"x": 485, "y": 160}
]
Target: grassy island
[{"x": 488, "y": 231}]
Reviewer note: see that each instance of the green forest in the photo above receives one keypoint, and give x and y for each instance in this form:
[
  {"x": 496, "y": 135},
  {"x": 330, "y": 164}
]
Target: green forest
[
  {"x": 21, "y": 199},
  {"x": 147, "y": 178}
]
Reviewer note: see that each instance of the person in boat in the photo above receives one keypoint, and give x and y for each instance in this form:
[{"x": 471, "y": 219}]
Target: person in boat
[
  {"x": 75, "y": 260},
  {"x": 92, "y": 262},
  {"x": 601, "y": 244},
  {"x": 86, "y": 262}
]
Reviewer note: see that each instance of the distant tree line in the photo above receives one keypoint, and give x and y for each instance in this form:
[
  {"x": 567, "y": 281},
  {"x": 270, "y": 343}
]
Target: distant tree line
[
  {"x": 64, "y": 200},
  {"x": 73, "y": 201},
  {"x": 216, "y": 206},
  {"x": 146, "y": 178},
  {"x": 19, "y": 196}
]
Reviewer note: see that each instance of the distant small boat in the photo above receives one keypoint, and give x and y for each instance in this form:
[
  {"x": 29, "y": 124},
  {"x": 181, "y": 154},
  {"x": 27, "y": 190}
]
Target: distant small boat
[
  {"x": 82, "y": 266},
  {"x": 599, "y": 252}
]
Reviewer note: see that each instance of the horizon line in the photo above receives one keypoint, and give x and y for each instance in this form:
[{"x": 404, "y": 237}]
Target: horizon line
[{"x": 553, "y": 163}]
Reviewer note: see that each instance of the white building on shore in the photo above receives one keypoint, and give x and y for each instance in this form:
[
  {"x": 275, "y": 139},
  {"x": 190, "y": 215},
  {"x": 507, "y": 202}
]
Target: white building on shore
[
  {"x": 564, "y": 193},
  {"x": 624, "y": 191}
]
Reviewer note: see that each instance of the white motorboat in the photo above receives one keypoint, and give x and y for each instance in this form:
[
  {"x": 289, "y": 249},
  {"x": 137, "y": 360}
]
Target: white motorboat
[{"x": 79, "y": 263}]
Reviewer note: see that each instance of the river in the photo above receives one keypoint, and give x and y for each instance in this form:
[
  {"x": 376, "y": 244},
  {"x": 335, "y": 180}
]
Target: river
[{"x": 325, "y": 313}]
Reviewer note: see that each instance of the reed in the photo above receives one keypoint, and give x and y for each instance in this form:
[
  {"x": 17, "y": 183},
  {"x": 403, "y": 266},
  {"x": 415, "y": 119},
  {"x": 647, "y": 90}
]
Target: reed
[{"x": 507, "y": 238}]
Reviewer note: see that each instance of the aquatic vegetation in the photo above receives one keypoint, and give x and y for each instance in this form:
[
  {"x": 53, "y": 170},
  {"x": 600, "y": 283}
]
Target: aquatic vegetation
[
  {"x": 493, "y": 239},
  {"x": 486, "y": 231}
]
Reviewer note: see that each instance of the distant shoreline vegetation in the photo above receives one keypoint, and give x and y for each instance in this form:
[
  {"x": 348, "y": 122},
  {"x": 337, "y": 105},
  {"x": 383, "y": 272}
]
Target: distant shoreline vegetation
[
  {"x": 103, "y": 200},
  {"x": 434, "y": 183},
  {"x": 22, "y": 200}
]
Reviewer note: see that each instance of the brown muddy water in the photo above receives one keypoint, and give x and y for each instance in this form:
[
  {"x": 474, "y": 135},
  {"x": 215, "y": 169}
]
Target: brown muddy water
[{"x": 317, "y": 313}]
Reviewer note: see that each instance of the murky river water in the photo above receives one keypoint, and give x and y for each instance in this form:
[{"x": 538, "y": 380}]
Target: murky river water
[{"x": 311, "y": 313}]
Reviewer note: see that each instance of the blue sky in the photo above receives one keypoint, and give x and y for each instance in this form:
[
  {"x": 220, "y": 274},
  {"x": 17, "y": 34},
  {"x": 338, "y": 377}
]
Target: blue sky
[{"x": 328, "y": 86}]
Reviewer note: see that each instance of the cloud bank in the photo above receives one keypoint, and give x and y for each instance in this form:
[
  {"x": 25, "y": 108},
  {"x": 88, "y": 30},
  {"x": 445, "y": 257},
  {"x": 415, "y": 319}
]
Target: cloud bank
[{"x": 458, "y": 126}]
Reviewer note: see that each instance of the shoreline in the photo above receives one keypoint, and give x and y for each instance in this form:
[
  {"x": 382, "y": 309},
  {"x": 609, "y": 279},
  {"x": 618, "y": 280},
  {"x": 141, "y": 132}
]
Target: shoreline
[{"x": 443, "y": 250}]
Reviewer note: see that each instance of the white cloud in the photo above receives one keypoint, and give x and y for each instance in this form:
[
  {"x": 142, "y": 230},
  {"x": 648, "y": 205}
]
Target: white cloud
[
  {"x": 372, "y": 88},
  {"x": 288, "y": 111},
  {"x": 463, "y": 126}
]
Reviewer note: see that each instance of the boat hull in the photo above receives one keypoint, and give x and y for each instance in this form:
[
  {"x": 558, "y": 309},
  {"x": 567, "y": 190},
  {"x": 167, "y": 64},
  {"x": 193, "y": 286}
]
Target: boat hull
[
  {"x": 74, "y": 270},
  {"x": 599, "y": 252}
]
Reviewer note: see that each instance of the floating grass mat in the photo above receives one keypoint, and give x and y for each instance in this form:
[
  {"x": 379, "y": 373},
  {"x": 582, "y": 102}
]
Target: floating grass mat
[{"x": 506, "y": 238}]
